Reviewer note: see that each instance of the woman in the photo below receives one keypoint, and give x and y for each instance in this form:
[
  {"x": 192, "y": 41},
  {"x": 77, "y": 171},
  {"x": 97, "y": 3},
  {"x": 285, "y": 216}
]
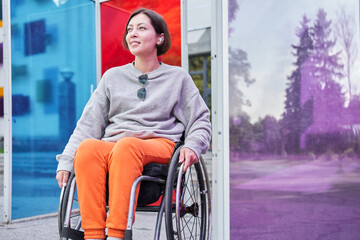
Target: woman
[{"x": 134, "y": 117}]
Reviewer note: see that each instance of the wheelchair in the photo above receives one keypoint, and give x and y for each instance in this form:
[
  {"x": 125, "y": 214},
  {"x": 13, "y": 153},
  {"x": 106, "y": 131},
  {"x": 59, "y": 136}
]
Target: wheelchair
[{"x": 185, "y": 198}]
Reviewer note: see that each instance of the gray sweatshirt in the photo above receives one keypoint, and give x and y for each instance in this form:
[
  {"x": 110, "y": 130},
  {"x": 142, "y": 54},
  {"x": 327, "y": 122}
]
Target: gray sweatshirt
[{"x": 172, "y": 106}]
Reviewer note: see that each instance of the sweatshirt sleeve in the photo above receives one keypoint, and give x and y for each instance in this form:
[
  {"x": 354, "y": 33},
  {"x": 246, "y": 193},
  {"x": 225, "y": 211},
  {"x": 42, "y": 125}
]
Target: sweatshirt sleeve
[
  {"x": 91, "y": 124},
  {"x": 195, "y": 116}
]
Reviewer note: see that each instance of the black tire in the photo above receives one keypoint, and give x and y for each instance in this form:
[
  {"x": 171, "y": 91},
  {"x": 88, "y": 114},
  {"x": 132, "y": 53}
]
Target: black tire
[
  {"x": 64, "y": 197},
  {"x": 191, "y": 223},
  {"x": 74, "y": 217}
]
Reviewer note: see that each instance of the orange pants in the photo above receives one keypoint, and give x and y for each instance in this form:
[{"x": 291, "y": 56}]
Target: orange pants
[{"x": 121, "y": 162}]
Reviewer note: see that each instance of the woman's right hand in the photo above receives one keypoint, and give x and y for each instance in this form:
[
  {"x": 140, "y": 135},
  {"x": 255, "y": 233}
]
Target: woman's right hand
[{"x": 62, "y": 177}]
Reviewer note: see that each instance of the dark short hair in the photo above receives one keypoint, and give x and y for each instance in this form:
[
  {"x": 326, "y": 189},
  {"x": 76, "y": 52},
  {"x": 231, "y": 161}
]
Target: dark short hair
[{"x": 160, "y": 26}]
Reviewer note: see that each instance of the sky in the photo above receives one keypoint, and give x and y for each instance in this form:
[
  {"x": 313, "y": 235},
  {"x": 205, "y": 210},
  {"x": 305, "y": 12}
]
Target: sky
[{"x": 265, "y": 29}]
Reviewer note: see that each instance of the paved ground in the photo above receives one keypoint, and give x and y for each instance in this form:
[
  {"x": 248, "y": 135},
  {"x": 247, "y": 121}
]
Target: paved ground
[
  {"x": 46, "y": 228},
  {"x": 282, "y": 200}
]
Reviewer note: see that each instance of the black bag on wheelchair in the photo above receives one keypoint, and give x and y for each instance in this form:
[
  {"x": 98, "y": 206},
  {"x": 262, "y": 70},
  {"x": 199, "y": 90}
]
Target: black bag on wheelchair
[{"x": 151, "y": 191}]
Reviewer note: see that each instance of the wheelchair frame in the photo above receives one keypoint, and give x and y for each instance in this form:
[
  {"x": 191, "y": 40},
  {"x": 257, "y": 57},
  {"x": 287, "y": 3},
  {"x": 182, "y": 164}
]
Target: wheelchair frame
[{"x": 184, "y": 208}]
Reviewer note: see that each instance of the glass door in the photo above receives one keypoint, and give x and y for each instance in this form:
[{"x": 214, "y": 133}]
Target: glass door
[{"x": 53, "y": 71}]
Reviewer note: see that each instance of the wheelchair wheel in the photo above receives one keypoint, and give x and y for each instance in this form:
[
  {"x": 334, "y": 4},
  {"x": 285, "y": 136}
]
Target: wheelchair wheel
[
  {"x": 69, "y": 218},
  {"x": 187, "y": 202}
]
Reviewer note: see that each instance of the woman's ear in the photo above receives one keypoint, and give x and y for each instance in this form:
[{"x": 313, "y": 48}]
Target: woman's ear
[{"x": 160, "y": 39}]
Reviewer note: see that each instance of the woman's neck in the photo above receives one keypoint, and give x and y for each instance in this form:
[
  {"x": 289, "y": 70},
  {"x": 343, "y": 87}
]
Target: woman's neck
[{"x": 146, "y": 65}]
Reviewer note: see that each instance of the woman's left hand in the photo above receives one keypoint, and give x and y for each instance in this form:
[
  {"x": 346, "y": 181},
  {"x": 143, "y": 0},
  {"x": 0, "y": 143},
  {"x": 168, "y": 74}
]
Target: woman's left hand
[{"x": 188, "y": 156}]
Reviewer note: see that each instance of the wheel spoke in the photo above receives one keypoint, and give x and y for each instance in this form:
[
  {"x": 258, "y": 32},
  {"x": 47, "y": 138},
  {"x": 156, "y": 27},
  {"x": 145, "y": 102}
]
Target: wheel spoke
[
  {"x": 194, "y": 226},
  {"x": 190, "y": 229},
  {"x": 192, "y": 195},
  {"x": 186, "y": 224},
  {"x": 192, "y": 181}
]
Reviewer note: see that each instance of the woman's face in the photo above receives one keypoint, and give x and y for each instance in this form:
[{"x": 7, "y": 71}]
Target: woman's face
[{"x": 141, "y": 37}]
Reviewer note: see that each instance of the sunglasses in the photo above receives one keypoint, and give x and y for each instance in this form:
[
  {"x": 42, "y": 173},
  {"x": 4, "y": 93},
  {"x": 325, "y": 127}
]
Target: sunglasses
[{"x": 142, "y": 91}]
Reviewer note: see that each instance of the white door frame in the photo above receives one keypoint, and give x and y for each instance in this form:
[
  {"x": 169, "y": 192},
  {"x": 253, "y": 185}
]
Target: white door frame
[
  {"x": 7, "y": 112},
  {"x": 184, "y": 35},
  {"x": 220, "y": 119}
]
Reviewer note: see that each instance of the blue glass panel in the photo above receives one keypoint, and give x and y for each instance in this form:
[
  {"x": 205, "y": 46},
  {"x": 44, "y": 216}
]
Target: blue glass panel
[
  {"x": 294, "y": 74},
  {"x": 53, "y": 68},
  {"x": 35, "y": 37},
  {"x": 52, "y": 76}
]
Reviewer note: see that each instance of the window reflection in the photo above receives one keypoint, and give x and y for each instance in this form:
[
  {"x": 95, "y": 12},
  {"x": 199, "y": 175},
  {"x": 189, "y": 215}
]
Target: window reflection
[
  {"x": 200, "y": 70},
  {"x": 294, "y": 126}
]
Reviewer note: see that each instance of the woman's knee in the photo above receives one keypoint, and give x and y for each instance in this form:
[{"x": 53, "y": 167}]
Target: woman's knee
[
  {"x": 127, "y": 148},
  {"x": 88, "y": 143},
  {"x": 86, "y": 151},
  {"x": 127, "y": 143}
]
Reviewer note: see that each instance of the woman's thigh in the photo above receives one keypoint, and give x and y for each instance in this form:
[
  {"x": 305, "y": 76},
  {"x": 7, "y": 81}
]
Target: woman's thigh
[{"x": 157, "y": 150}]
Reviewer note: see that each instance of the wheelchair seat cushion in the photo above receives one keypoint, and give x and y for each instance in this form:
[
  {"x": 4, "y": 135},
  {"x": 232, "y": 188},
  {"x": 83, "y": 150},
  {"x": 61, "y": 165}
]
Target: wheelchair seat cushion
[
  {"x": 156, "y": 170},
  {"x": 151, "y": 191}
]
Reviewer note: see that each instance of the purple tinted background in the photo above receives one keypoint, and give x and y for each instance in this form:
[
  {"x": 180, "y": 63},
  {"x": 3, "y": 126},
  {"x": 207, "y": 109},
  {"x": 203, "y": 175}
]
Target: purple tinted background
[{"x": 294, "y": 120}]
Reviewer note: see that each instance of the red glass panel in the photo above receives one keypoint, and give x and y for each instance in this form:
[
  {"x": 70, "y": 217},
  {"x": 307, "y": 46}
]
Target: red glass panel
[
  {"x": 114, "y": 15},
  {"x": 113, "y": 21}
]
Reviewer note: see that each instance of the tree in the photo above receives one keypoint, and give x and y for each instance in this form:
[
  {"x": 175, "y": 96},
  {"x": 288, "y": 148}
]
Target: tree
[
  {"x": 292, "y": 115},
  {"x": 239, "y": 76},
  {"x": 232, "y": 9},
  {"x": 326, "y": 74},
  {"x": 345, "y": 33},
  {"x": 272, "y": 135},
  {"x": 326, "y": 64},
  {"x": 241, "y": 133}
]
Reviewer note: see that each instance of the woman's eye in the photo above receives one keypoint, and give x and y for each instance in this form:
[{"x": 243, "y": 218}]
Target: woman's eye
[
  {"x": 142, "y": 28},
  {"x": 129, "y": 29}
]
